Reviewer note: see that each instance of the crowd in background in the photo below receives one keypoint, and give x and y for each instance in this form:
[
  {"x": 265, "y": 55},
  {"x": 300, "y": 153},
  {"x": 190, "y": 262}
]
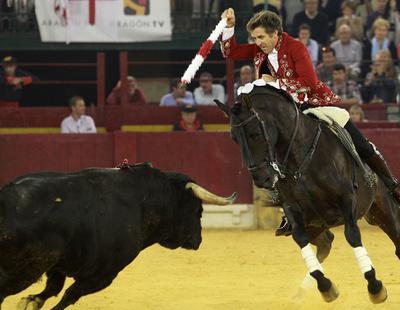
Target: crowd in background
[{"x": 353, "y": 44}]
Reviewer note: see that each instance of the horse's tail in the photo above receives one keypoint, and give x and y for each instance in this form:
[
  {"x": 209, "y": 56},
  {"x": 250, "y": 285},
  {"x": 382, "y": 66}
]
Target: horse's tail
[{"x": 385, "y": 213}]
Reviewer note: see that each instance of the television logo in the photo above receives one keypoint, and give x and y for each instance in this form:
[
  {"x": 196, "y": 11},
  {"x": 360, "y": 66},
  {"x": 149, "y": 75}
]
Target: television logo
[{"x": 137, "y": 7}]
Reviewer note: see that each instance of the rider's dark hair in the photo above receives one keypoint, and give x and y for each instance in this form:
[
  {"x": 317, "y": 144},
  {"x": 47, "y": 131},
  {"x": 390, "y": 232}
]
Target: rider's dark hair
[{"x": 270, "y": 21}]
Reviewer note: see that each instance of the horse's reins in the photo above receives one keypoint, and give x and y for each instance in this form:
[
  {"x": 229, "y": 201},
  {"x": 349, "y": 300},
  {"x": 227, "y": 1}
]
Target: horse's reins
[{"x": 282, "y": 171}]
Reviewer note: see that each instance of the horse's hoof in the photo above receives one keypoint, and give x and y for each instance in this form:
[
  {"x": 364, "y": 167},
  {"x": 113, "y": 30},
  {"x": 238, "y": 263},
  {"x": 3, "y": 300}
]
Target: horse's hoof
[
  {"x": 379, "y": 297},
  {"x": 331, "y": 294},
  {"x": 30, "y": 303}
]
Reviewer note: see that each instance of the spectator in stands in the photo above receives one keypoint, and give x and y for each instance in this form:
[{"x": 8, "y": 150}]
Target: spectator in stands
[
  {"x": 312, "y": 45},
  {"x": 246, "y": 76},
  {"x": 348, "y": 51},
  {"x": 346, "y": 89},
  {"x": 317, "y": 20},
  {"x": 178, "y": 95},
  {"x": 270, "y": 5},
  {"x": 363, "y": 10},
  {"x": 291, "y": 8},
  {"x": 135, "y": 94},
  {"x": 332, "y": 9},
  {"x": 380, "y": 41},
  {"x": 207, "y": 92},
  {"x": 348, "y": 18},
  {"x": 325, "y": 69},
  {"x": 382, "y": 10},
  {"x": 12, "y": 82},
  {"x": 381, "y": 82},
  {"x": 189, "y": 121},
  {"x": 395, "y": 19},
  {"x": 357, "y": 114},
  {"x": 78, "y": 122}
]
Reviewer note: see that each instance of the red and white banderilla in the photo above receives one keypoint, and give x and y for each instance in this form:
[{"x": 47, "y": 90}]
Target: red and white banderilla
[{"x": 203, "y": 52}]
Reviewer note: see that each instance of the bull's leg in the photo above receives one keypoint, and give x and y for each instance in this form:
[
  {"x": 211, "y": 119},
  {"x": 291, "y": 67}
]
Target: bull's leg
[
  {"x": 82, "y": 287},
  {"x": 377, "y": 291},
  {"x": 54, "y": 285},
  {"x": 301, "y": 237}
]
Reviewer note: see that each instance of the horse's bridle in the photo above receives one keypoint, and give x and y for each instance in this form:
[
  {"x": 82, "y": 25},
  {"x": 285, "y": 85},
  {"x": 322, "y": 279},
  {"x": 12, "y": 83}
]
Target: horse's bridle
[{"x": 279, "y": 168}]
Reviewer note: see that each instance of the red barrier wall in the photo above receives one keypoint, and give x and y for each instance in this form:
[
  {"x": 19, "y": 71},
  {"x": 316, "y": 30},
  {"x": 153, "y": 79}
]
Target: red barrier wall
[
  {"x": 211, "y": 159},
  {"x": 388, "y": 143}
]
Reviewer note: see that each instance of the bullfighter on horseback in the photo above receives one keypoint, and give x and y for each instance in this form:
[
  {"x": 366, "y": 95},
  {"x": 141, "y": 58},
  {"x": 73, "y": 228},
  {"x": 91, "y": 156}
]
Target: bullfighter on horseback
[{"x": 280, "y": 58}]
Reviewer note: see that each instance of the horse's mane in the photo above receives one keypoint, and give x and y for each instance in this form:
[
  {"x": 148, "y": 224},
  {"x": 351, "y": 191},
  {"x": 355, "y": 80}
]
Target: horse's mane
[{"x": 268, "y": 89}]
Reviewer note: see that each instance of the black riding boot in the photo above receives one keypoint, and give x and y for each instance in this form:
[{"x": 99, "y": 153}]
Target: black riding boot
[
  {"x": 284, "y": 229},
  {"x": 379, "y": 166},
  {"x": 374, "y": 159}
]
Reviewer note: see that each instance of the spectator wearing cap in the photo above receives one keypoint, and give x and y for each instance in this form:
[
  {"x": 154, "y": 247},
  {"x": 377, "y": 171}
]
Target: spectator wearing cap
[
  {"x": 135, "y": 94},
  {"x": 246, "y": 76},
  {"x": 12, "y": 82},
  {"x": 325, "y": 68},
  {"x": 189, "y": 121},
  {"x": 78, "y": 122},
  {"x": 346, "y": 89},
  {"x": 312, "y": 45},
  {"x": 178, "y": 95},
  {"x": 207, "y": 91},
  {"x": 348, "y": 51}
]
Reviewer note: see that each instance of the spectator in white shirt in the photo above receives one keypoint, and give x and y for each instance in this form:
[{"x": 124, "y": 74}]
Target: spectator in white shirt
[
  {"x": 78, "y": 122},
  {"x": 207, "y": 92}
]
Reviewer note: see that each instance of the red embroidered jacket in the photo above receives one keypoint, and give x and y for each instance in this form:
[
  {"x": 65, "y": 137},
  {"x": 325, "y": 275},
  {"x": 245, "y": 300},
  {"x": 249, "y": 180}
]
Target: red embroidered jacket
[{"x": 295, "y": 72}]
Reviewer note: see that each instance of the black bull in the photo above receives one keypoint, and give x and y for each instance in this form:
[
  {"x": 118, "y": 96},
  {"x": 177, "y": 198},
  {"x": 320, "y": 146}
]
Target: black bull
[
  {"x": 318, "y": 182},
  {"x": 89, "y": 225}
]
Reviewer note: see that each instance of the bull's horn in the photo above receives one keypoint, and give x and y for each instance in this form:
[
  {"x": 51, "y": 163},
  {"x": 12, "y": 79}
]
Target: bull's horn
[{"x": 209, "y": 197}]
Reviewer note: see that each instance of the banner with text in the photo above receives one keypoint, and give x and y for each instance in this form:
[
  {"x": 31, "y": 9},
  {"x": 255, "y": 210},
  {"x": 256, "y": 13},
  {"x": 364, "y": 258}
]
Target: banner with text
[{"x": 103, "y": 20}]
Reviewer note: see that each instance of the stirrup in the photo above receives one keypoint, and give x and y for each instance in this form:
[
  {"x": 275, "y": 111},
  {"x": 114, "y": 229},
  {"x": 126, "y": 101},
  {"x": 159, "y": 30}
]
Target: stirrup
[{"x": 284, "y": 229}]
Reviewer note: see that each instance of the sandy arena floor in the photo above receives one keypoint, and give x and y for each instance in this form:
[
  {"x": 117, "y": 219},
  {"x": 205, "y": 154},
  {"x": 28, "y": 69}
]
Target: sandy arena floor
[{"x": 240, "y": 270}]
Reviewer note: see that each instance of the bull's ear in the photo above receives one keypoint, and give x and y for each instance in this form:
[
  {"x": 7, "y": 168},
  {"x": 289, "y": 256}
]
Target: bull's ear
[{"x": 223, "y": 107}]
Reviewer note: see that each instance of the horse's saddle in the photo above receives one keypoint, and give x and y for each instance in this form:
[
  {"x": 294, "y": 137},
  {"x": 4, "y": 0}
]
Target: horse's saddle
[{"x": 336, "y": 118}]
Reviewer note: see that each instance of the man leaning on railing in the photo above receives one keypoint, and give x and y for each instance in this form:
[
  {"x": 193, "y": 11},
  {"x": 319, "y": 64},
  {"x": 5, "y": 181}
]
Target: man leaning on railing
[{"x": 12, "y": 82}]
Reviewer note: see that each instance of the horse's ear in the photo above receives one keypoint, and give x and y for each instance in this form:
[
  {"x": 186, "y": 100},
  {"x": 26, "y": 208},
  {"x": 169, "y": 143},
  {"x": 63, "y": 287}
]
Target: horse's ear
[{"x": 223, "y": 107}]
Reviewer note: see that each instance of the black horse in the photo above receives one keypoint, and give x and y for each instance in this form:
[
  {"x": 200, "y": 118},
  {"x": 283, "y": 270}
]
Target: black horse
[{"x": 319, "y": 183}]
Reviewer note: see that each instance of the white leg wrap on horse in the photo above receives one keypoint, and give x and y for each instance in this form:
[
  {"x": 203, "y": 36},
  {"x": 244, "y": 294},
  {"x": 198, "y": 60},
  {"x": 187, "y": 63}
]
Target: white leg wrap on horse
[
  {"x": 308, "y": 282},
  {"x": 364, "y": 262},
  {"x": 310, "y": 259}
]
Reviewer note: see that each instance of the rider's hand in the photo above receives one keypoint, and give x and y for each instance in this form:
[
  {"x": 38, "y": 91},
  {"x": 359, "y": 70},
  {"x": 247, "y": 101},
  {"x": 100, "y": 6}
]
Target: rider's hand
[
  {"x": 268, "y": 78},
  {"x": 229, "y": 14}
]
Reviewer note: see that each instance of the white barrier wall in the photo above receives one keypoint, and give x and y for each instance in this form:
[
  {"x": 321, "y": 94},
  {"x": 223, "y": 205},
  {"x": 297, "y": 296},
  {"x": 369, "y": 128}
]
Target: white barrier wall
[{"x": 242, "y": 216}]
